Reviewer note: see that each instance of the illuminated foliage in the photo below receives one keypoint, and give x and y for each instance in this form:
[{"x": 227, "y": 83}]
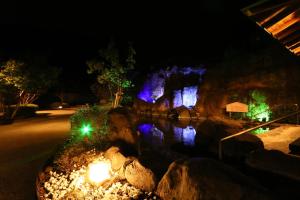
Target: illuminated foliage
[
  {"x": 89, "y": 122},
  {"x": 111, "y": 71},
  {"x": 258, "y": 108},
  {"x": 260, "y": 130},
  {"x": 27, "y": 79}
]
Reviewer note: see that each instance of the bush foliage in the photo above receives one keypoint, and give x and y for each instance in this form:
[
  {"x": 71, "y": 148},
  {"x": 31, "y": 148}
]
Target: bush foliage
[
  {"x": 94, "y": 117},
  {"x": 25, "y": 110}
]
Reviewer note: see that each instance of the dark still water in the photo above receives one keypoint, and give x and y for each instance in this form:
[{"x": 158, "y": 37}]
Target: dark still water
[
  {"x": 188, "y": 137},
  {"x": 151, "y": 133},
  {"x": 179, "y": 136}
]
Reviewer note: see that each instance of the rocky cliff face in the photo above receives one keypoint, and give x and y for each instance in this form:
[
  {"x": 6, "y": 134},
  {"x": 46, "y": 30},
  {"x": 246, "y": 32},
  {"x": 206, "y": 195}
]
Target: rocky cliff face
[
  {"x": 170, "y": 88},
  {"x": 271, "y": 71}
]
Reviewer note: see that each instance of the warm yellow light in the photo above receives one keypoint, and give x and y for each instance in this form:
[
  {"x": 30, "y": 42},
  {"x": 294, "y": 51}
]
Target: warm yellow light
[
  {"x": 79, "y": 182},
  {"x": 99, "y": 171}
]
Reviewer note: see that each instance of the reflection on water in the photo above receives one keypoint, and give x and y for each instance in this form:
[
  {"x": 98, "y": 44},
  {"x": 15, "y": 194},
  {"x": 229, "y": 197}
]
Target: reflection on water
[
  {"x": 260, "y": 130},
  {"x": 151, "y": 133},
  {"x": 185, "y": 135},
  {"x": 167, "y": 134}
]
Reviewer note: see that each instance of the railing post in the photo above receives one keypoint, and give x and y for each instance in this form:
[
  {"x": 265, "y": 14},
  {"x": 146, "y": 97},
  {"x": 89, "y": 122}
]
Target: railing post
[
  {"x": 220, "y": 150},
  {"x": 297, "y": 116}
]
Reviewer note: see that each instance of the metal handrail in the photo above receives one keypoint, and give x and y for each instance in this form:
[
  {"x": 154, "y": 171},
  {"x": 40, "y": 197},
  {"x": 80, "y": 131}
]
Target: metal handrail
[{"x": 253, "y": 128}]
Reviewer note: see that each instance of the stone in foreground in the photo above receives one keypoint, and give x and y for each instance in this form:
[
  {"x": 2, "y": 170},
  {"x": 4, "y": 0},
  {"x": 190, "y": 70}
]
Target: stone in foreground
[{"x": 202, "y": 178}]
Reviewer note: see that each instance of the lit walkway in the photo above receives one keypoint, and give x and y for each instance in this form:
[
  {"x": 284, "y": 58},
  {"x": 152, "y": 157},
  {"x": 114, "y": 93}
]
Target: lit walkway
[
  {"x": 280, "y": 138},
  {"x": 24, "y": 148}
]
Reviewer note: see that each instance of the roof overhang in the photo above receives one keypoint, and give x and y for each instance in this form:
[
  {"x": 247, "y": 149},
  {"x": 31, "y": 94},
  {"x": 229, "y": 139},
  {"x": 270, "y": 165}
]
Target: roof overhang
[{"x": 280, "y": 18}]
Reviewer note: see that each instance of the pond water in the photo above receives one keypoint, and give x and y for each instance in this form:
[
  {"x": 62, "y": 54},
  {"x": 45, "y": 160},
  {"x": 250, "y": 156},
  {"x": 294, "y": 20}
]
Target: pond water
[
  {"x": 178, "y": 136},
  {"x": 151, "y": 133}
]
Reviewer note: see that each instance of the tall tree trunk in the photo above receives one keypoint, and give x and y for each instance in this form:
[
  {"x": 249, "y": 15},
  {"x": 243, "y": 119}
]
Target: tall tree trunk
[
  {"x": 21, "y": 94},
  {"x": 15, "y": 111},
  {"x": 118, "y": 97}
]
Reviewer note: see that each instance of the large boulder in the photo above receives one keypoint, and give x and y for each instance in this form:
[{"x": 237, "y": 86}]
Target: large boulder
[
  {"x": 209, "y": 133},
  {"x": 121, "y": 127},
  {"x": 202, "y": 178},
  {"x": 141, "y": 106},
  {"x": 140, "y": 176},
  {"x": 117, "y": 159},
  {"x": 275, "y": 162},
  {"x": 162, "y": 105},
  {"x": 131, "y": 169},
  {"x": 183, "y": 112},
  {"x": 295, "y": 147},
  {"x": 240, "y": 146}
]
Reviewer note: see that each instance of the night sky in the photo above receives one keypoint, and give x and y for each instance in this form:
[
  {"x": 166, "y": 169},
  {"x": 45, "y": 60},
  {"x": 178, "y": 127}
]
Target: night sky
[{"x": 163, "y": 34}]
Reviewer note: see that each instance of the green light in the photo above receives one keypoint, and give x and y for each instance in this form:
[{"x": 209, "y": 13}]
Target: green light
[
  {"x": 258, "y": 108},
  {"x": 259, "y": 111},
  {"x": 86, "y": 129},
  {"x": 260, "y": 130}
]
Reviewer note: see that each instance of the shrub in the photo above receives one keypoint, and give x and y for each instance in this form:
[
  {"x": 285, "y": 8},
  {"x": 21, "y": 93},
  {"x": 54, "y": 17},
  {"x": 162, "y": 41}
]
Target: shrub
[
  {"x": 89, "y": 122},
  {"x": 25, "y": 110},
  {"x": 258, "y": 108}
]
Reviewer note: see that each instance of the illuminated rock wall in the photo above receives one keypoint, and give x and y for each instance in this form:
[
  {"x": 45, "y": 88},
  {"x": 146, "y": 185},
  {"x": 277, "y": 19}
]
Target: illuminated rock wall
[
  {"x": 186, "y": 97},
  {"x": 153, "y": 88},
  {"x": 177, "y": 101},
  {"x": 190, "y": 96},
  {"x": 268, "y": 70},
  {"x": 185, "y": 94}
]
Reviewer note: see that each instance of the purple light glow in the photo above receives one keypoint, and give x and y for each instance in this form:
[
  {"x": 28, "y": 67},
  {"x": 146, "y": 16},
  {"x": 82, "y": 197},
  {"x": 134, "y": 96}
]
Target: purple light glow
[
  {"x": 145, "y": 94},
  {"x": 192, "y": 70},
  {"x": 177, "y": 101},
  {"x": 177, "y": 133},
  {"x": 158, "y": 135},
  {"x": 190, "y": 96},
  {"x": 187, "y": 97},
  {"x": 151, "y": 133},
  {"x": 188, "y": 135},
  {"x": 154, "y": 86},
  {"x": 185, "y": 135},
  {"x": 155, "y": 136},
  {"x": 145, "y": 128}
]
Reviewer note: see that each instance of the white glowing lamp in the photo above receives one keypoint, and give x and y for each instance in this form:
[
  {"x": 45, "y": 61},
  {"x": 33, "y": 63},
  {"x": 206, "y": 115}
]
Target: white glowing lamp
[{"x": 99, "y": 171}]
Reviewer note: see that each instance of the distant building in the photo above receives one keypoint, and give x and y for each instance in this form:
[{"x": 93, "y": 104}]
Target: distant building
[{"x": 237, "y": 107}]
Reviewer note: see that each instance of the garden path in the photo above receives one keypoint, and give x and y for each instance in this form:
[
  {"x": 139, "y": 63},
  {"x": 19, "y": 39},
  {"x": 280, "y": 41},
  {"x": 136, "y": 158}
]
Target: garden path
[{"x": 25, "y": 146}]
